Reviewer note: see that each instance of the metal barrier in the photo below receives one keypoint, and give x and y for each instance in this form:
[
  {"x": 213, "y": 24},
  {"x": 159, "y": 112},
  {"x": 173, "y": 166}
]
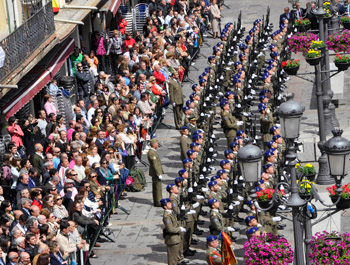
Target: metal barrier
[{"x": 26, "y": 39}]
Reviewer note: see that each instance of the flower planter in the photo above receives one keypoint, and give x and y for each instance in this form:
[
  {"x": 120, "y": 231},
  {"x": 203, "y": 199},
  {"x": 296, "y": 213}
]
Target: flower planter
[
  {"x": 327, "y": 19},
  {"x": 303, "y": 28},
  {"x": 346, "y": 25},
  {"x": 291, "y": 70},
  {"x": 305, "y": 196},
  {"x": 342, "y": 204},
  {"x": 342, "y": 66},
  {"x": 313, "y": 61},
  {"x": 311, "y": 177},
  {"x": 266, "y": 204}
]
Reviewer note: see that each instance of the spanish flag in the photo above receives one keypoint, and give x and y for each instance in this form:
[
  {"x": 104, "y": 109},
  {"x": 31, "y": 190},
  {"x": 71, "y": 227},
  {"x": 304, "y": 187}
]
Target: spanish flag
[
  {"x": 228, "y": 257},
  {"x": 55, "y": 6}
]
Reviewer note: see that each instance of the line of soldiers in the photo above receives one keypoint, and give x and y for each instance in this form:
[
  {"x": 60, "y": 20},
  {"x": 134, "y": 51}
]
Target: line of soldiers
[{"x": 237, "y": 73}]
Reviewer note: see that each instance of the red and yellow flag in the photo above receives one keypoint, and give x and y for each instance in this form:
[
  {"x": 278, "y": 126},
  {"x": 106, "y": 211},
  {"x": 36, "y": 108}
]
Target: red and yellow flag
[{"x": 228, "y": 257}]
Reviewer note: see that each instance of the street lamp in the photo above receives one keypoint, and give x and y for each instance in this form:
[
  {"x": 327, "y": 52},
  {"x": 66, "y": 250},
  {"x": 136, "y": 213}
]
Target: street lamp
[
  {"x": 249, "y": 157},
  {"x": 290, "y": 113},
  {"x": 338, "y": 153}
]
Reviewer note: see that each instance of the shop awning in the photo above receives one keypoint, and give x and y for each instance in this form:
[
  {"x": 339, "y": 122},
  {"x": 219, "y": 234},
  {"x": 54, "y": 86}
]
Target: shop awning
[
  {"x": 44, "y": 75},
  {"x": 112, "y": 5}
]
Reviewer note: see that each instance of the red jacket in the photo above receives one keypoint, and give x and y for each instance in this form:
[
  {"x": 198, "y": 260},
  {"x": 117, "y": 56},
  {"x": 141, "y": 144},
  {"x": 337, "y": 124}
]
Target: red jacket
[
  {"x": 37, "y": 203},
  {"x": 16, "y": 136},
  {"x": 126, "y": 43},
  {"x": 122, "y": 26},
  {"x": 159, "y": 77}
]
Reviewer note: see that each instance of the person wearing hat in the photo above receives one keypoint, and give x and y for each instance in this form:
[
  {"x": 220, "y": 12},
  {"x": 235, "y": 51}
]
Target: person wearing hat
[
  {"x": 252, "y": 222},
  {"x": 218, "y": 223},
  {"x": 229, "y": 122},
  {"x": 185, "y": 219},
  {"x": 172, "y": 233},
  {"x": 188, "y": 115},
  {"x": 176, "y": 98},
  {"x": 192, "y": 125},
  {"x": 185, "y": 142},
  {"x": 213, "y": 254},
  {"x": 281, "y": 147},
  {"x": 266, "y": 121},
  {"x": 195, "y": 167},
  {"x": 268, "y": 176},
  {"x": 155, "y": 171},
  {"x": 231, "y": 157}
]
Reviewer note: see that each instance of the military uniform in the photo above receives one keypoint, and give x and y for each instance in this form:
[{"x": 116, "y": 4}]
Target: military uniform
[
  {"x": 175, "y": 94},
  {"x": 155, "y": 170},
  {"x": 229, "y": 125},
  {"x": 185, "y": 142},
  {"x": 172, "y": 238},
  {"x": 266, "y": 121},
  {"x": 213, "y": 256}
]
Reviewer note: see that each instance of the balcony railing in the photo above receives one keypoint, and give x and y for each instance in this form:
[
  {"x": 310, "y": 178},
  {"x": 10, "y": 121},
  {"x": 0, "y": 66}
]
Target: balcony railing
[{"x": 20, "y": 44}]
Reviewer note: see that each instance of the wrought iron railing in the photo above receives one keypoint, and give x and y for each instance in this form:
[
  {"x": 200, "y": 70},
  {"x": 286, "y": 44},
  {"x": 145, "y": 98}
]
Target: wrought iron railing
[{"x": 20, "y": 44}]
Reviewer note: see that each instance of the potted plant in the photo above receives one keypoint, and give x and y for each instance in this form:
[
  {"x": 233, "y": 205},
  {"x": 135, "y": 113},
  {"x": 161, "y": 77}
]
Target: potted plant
[
  {"x": 291, "y": 67},
  {"x": 330, "y": 248},
  {"x": 305, "y": 189},
  {"x": 265, "y": 199},
  {"x": 307, "y": 171},
  {"x": 313, "y": 57},
  {"x": 339, "y": 41},
  {"x": 344, "y": 202},
  {"x": 300, "y": 42},
  {"x": 328, "y": 16},
  {"x": 345, "y": 21},
  {"x": 302, "y": 25},
  {"x": 318, "y": 45},
  {"x": 267, "y": 249},
  {"x": 342, "y": 62}
]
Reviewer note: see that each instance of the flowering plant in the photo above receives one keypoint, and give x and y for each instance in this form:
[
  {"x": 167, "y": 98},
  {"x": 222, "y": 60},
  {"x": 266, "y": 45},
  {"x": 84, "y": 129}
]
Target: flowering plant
[
  {"x": 308, "y": 169},
  {"x": 317, "y": 44},
  {"x": 326, "y": 8},
  {"x": 290, "y": 63},
  {"x": 300, "y": 42},
  {"x": 339, "y": 42},
  {"x": 300, "y": 22},
  {"x": 341, "y": 59},
  {"x": 345, "y": 19},
  {"x": 345, "y": 194},
  {"x": 267, "y": 249},
  {"x": 313, "y": 53},
  {"x": 267, "y": 194},
  {"x": 326, "y": 251},
  {"x": 305, "y": 187}
]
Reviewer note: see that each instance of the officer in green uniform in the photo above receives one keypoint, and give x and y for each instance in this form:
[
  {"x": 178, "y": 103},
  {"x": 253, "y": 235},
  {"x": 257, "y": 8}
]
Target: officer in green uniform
[
  {"x": 217, "y": 222},
  {"x": 186, "y": 220},
  {"x": 176, "y": 98},
  {"x": 229, "y": 122},
  {"x": 155, "y": 171},
  {"x": 266, "y": 121},
  {"x": 251, "y": 222},
  {"x": 213, "y": 254},
  {"x": 185, "y": 142},
  {"x": 172, "y": 234}
]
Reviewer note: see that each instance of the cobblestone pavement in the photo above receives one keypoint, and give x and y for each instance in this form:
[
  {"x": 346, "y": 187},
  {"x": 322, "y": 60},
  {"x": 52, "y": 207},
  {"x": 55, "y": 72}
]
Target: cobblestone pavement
[{"x": 138, "y": 236}]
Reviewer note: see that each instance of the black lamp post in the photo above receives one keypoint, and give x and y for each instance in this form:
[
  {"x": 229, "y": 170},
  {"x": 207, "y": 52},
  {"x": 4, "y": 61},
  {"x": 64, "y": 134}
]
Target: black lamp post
[{"x": 290, "y": 113}]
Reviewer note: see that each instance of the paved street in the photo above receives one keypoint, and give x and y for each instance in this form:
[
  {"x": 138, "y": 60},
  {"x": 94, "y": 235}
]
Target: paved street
[{"x": 138, "y": 236}]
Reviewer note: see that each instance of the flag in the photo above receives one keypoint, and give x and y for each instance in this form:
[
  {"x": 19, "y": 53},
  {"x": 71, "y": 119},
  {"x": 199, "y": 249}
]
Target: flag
[
  {"x": 228, "y": 257},
  {"x": 55, "y": 6}
]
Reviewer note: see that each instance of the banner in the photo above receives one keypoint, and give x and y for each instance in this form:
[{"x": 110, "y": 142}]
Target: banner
[
  {"x": 228, "y": 257},
  {"x": 55, "y": 6}
]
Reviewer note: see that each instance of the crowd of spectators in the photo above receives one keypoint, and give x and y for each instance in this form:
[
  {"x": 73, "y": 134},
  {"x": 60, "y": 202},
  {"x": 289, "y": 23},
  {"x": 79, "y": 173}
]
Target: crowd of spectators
[{"x": 57, "y": 174}]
